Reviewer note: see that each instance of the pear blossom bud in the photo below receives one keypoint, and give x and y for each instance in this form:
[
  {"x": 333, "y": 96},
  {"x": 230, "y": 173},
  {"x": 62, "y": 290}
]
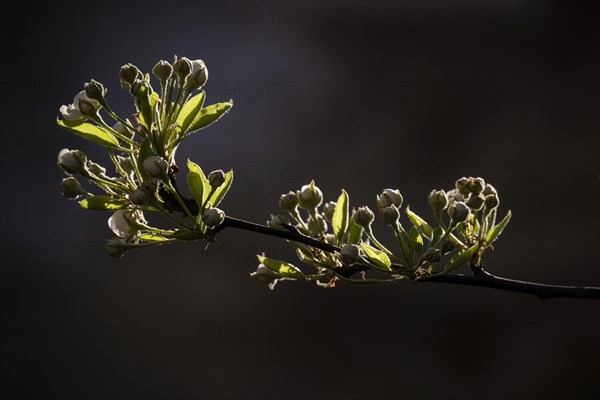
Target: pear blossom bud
[
  {"x": 276, "y": 221},
  {"x": 162, "y": 71},
  {"x": 216, "y": 178},
  {"x": 182, "y": 67},
  {"x": 136, "y": 87},
  {"x": 328, "y": 210},
  {"x": 139, "y": 197},
  {"x": 266, "y": 276},
  {"x": 72, "y": 161},
  {"x": 318, "y": 226},
  {"x": 364, "y": 217},
  {"x": 330, "y": 238},
  {"x": 123, "y": 223},
  {"x": 438, "y": 200},
  {"x": 490, "y": 202},
  {"x": 489, "y": 189},
  {"x": 458, "y": 212},
  {"x": 116, "y": 247},
  {"x": 289, "y": 201},
  {"x": 461, "y": 186},
  {"x": 95, "y": 90},
  {"x": 349, "y": 254},
  {"x": 447, "y": 246},
  {"x": 198, "y": 75},
  {"x": 150, "y": 186},
  {"x": 96, "y": 169},
  {"x": 123, "y": 130},
  {"x": 390, "y": 197},
  {"x": 390, "y": 215},
  {"x": 129, "y": 73},
  {"x": 454, "y": 196},
  {"x": 432, "y": 255},
  {"x": 476, "y": 185},
  {"x": 475, "y": 202},
  {"x": 156, "y": 167},
  {"x": 87, "y": 107},
  {"x": 213, "y": 217},
  {"x": 310, "y": 196},
  {"x": 71, "y": 188}
]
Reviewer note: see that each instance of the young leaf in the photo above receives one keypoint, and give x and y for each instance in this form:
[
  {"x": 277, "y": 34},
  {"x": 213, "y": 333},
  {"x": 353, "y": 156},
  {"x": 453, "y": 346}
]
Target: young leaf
[
  {"x": 90, "y": 132},
  {"x": 152, "y": 237},
  {"x": 189, "y": 111},
  {"x": 436, "y": 235},
  {"x": 184, "y": 234},
  {"x": 493, "y": 233},
  {"x": 282, "y": 268},
  {"x": 103, "y": 203},
  {"x": 377, "y": 257},
  {"x": 460, "y": 258},
  {"x": 218, "y": 195},
  {"x": 354, "y": 232},
  {"x": 209, "y": 114},
  {"x": 416, "y": 241},
  {"x": 147, "y": 102},
  {"x": 197, "y": 183},
  {"x": 340, "y": 217},
  {"x": 419, "y": 222}
]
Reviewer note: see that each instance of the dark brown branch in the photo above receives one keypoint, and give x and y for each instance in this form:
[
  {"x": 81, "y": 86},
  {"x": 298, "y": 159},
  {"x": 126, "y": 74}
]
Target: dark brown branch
[{"x": 480, "y": 277}]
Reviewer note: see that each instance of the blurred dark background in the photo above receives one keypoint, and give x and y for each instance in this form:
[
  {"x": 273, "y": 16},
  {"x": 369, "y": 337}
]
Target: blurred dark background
[{"x": 360, "y": 95}]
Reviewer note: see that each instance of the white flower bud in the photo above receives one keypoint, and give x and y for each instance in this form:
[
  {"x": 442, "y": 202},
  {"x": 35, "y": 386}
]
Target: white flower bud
[
  {"x": 216, "y": 178},
  {"x": 198, "y": 75},
  {"x": 213, "y": 217},
  {"x": 349, "y": 254},
  {"x": 328, "y": 210},
  {"x": 489, "y": 189},
  {"x": 318, "y": 226},
  {"x": 139, "y": 197},
  {"x": 330, "y": 238},
  {"x": 95, "y": 90},
  {"x": 458, "y": 212},
  {"x": 432, "y": 255},
  {"x": 123, "y": 130},
  {"x": 389, "y": 197},
  {"x": 461, "y": 185},
  {"x": 128, "y": 74},
  {"x": 74, "y": 112},
  {"x": 71, "y": 188},
  {"x": 390, "y": 215},
  {"x": 438, "y": 200},
  {"x": 266, "y": 276},
  {"x": 289, "y": 201},
  {"x": 162, "y": 71},
  {"x": 123, "y": 223},
  {"x": 182, "y": 67},
  {"x": 276, "y": 221},
  {"x": 156, "y": 167},
  {"x": 310, "y": 197},
  {"x": 454, "y": 196},
  {"x": 490, "y": 202},
  {"x": 475, "y": 202},
  {"x": 363, "y": 217},
  {"x": 476, "y": 185},
  {"x": 72, "y": 161}
]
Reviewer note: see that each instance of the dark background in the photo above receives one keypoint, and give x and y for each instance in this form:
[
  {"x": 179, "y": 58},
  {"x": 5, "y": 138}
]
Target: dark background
[{"x": 363, "y": 95}]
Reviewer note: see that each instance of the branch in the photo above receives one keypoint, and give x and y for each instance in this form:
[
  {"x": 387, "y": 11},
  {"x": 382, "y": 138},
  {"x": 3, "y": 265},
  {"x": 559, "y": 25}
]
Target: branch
[{"x": 480, "y": 277}]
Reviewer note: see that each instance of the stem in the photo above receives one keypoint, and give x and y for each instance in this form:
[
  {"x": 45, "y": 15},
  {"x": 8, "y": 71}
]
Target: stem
[{"x": 180, "y": 200}]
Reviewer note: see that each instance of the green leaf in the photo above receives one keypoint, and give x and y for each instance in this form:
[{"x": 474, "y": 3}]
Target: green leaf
[
  {"x": 147, "y": 102},
  {"x": 419, "y": 223},
  {"x": 197, "y": 183},
  {"x": 103, "y": 203},
  {"x": 436, "y": 235},
  {"x": 377, "y": 257},
  {"x": 209, "y": 114},
  {"x": 493, "y": 233},
  {"x": 222, "y": 190},
  {"x": 355, "y": 232},
  {"x": 416, "y": 241},
  {"x": 152, "y": 237},
  {"x": 184, "y": 234},
  {"x": 282, "y": 268},
  {"x": 340, "y": 216},
  {"x": 90, "y": 132},
  {"x": 460, "y": 258},
  {"x": 189, "y": 111}
]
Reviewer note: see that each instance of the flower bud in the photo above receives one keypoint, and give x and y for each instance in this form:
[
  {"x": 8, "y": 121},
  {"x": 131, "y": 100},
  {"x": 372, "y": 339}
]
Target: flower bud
[
  {"x": 182, "y": 67},
  {"x": 71, "y": 188},
  {"x": 363, "y": 217},
  {"x": 475, "y": 202},
  {"x": 139, "y": 197},
  {"x": 129, "y": 73},
  {"x": 317, "y": 227},
  {"x": 310, "y": 197},
  {"x": 115, "y": 247},
  {"x": 490, "y": 202},
  {"x": 432, "y": 255},
  {"x": 123, "y": 130},
  {"x": 162, "y": 71},
  {"x": 289, "y": 201},
  {"x": 123, "y": 223},
  {"x": 447, "y": 246},
  {"x": 213, "y": 217},
  {"x": 390, "y": 215},
  {"x": 96, "y": 169},
  {"x": 266, "y": 276},
  {"x": 216, "y": 178},
  {"x": 489, "y": 189},
  {"x": 476, "y": 185},
  {"x": 72, "y": 161},
  {"x": 390, "y": 197},
  {"x": 95, "y": 90},
  {"x": 461, "y": 186},
  {"x": 156, "y": 167},
  {"x": 136, "y": 87},
  {"x": 438, "y": 200},
  {"x": 198, "y": 75},
  {"x": 454, "y": 196},
  {"x": 328, "y": 210},
  {"x": 349, "y": 254},
  {"x": 330, "y": 239},
  {"x": 458, "y": 212},
  {"x": 276, "y": 221}
]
